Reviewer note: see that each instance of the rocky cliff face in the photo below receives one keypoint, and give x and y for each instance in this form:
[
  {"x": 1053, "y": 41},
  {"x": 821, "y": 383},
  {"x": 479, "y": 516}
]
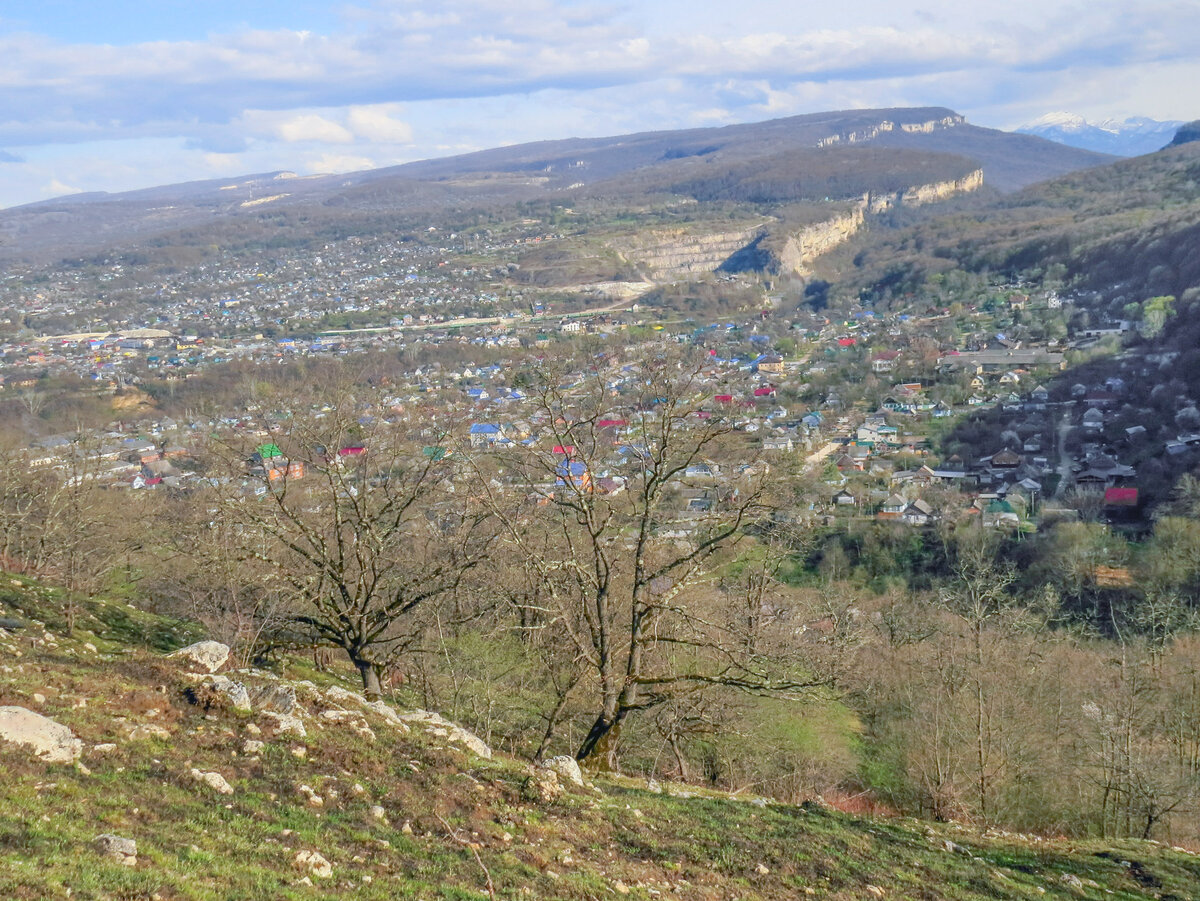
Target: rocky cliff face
[
  {"x": 800, "y": 249},
  {"x": 886, "y": 125},
  {"x": 669, "y": 254}
]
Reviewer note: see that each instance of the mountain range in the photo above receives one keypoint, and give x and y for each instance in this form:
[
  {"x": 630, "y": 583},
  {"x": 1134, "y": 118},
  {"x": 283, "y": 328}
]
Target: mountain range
[
  {"x": 1120, "y": 137},
  {"x": 815, "y": 159}
]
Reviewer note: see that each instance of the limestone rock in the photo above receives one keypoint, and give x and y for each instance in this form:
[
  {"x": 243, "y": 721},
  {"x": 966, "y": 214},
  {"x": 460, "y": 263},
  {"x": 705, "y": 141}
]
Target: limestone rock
[
  {"x": 215, "y": 781},
  {"x": 285, "y": 724},
  {"x": 252, "y": 746},
  {"x": 351, "y": 718},
  {"x": 314, "y": 863},
  {"x": 49, "y": 741},
  {"x": 340, "y": 695},
  {"x": 567, "y": 768},
  {"x": 148, "y": 730},
  {"x": 208, "y": 655},
  {"x": 280, "y": 698},
  {"x": 114, "y": 847},
  {"x": 220, "y": 691},
  {"x": 388, "y": 714},
  {"x": 438, "y": 725},
  {"x": 542, "y": 785}
]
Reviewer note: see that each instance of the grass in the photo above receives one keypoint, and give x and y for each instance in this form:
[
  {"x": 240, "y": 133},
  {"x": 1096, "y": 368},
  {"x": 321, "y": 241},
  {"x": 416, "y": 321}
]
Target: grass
[{"x": 617, "y": 840}]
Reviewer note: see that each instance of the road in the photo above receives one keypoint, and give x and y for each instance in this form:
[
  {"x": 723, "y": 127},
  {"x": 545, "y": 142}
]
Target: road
[{"x": 1065, "y": 476}]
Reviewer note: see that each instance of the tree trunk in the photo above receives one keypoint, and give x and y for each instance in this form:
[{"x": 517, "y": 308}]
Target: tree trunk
[
  {"x": 551, "y": 726},
  {"x": 600, "y": 744},
  {"x": 369, "y": 672}
]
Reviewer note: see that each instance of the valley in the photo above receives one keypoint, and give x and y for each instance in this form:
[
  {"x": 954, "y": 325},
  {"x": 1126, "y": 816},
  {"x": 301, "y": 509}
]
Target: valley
[{"x": 834, "y": 477}]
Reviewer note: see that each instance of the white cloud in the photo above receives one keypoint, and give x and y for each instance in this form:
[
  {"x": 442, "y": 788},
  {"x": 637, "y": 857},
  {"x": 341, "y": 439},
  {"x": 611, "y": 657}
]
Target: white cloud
[
  {"x": 56, "y": 188},
  {"x": 329, "y": 163},
  {"x": 376, "y": 123},
  {"x": 424, "y": 75},
  {"x": 311, "y": 127}
]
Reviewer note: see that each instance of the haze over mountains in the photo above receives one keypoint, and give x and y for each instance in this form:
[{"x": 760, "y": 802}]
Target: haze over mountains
[{"x": 817, "y": 158}]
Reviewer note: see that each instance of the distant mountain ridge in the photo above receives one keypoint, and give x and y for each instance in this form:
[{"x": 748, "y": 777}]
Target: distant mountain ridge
[
  {"x": 814, "y": 158},
  {"x": 1134, "y": 136},
  {"x": 1187, "y": 134}
]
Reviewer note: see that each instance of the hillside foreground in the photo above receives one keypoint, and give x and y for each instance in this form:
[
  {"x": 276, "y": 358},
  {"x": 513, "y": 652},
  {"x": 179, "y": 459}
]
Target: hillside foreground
[{"x": 228, "y": 796}]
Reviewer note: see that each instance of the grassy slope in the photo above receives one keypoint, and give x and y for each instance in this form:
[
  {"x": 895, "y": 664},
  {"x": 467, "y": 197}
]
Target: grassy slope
[{"x": 619, "y": 840}]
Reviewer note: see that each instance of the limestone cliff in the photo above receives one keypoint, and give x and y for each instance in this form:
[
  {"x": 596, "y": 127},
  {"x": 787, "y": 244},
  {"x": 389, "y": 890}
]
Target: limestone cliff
[
  {"x": 886, "y": 125},
  {"x": 800, "y": 249},
  {"x": 668, "y": 254}
]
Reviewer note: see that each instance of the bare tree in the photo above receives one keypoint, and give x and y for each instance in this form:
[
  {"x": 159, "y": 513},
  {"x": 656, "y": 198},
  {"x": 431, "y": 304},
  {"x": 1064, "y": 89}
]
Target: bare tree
[
  {"x": 626, "y": 515},
  {"x": 357, "y": 520}
]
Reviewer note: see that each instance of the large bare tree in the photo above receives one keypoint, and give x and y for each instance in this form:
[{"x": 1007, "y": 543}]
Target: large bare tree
[
  {"x": 352, "y": 506},
  {"x": 637, "y": 486}
]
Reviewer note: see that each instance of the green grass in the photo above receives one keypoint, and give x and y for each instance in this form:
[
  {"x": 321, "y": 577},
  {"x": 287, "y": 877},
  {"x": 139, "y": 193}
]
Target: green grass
[{"x": 194, "y": 844}]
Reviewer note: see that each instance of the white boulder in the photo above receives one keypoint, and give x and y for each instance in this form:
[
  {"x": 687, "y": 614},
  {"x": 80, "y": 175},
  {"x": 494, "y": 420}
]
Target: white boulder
[
  {"x": 50, "y": 741},
  {"x": 567, "y": 768},
  {"x": 215, "y": 781},
  {"x": 208, "y": 655},
  {"x": 438, "y": 725},
  {"x": 114, "y": 847},
  {"x": 315, "y": 863}
]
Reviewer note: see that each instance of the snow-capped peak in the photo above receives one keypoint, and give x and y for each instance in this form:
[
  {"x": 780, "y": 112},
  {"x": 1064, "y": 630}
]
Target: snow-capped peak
[
  {"x": 1065, "y": 121},
  {"x": 1123, "y": 137}
]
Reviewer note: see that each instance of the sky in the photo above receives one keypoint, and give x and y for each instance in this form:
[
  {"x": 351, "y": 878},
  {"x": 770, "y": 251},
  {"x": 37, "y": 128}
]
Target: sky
[{"x": 112, "y": 95}]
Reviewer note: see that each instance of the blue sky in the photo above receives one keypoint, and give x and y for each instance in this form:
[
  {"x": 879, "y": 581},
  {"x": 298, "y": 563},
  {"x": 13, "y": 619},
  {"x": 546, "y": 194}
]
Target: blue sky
[{"x": 107, "y": 95}]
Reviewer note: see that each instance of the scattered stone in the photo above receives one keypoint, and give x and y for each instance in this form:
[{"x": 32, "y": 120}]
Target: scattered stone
[
  {"x": 620, "y": 888},
  {"x": 252, "y": 729},
  {"x": 285, "y": 724},
  {"x": 313, "y": 862},
  {"x": 50, "y": 741},
  {"x": 876, "y": 891},
  {"x": 278, "y": 697},
  {"x": 567, "y": 768},
  {"x": 438, "y": 725},
  {"x": 378, "y": 813},
  {"x": 148, "y": 730},
  {"x": 311, "y": 798},
  {"x": 407, "y": 828},
  {"x": 541, "y": 785},
  {"x": 104, "y": 748},
  {"x": 122, "y": 850},
  {"x": 352, "y": 718},
  {"x": 338, "y": 695},
  {"x": 1072, "y": 880},
  {"x": 654, "y": 785},
  {"x": 252, "y": 746},
  {"x": 39, "y": 698},
  {"x": 388, "y": 714},
  {"x": 762, "y": 869},
  {"x": 220, "y": 691},
  {"x": 215, "y": 781},
  {"x": 208, "y": 655},
  {"x": 299, "y": 752}
]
